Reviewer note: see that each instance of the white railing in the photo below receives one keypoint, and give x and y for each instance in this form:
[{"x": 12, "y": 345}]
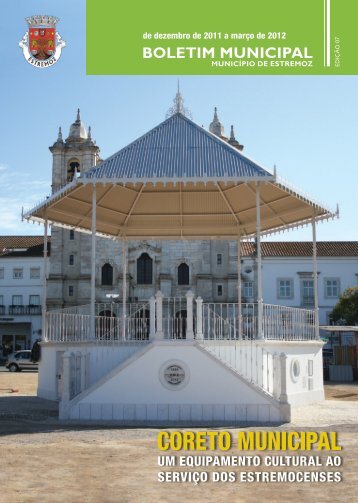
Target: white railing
[
  {"x": 82, "y": 309},
  {"x": 174, "y": 327},
  {"x": 63, "y": 327},
  {"x": 247, "y": 358},
  {"x": 174, "y": 317},
  {"x": 111, "y": 309},
  {"x": 288, "y": 323},
  {"x": 223, "y": 321},
  {"x": 208, "y": 321}
]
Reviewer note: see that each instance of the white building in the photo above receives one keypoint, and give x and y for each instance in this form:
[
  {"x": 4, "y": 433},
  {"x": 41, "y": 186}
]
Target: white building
[
  {"x": 21, "y": 289},
  {"x": 287, "y": 273},
  {"x": 191, "y": 340}
]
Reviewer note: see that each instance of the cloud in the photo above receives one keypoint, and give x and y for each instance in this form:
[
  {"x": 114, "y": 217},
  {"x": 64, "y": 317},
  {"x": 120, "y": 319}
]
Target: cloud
[{"x": 16, "y": 192}]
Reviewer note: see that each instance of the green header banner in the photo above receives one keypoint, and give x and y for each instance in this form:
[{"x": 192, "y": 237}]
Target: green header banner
[{"x": 207, "y": 37}]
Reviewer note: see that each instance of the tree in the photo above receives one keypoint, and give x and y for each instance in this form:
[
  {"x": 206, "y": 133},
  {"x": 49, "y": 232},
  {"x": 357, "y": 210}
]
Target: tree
[{"x": 346, "y": 308}]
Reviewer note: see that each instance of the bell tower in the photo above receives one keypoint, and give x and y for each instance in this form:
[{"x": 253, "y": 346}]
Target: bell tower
[
  {"x": 77, "y": 154},
  {"x": 69, "y": 274}
]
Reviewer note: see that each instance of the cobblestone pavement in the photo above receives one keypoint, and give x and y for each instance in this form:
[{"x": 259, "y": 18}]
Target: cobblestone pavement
[{"x": 46, "y": 461}]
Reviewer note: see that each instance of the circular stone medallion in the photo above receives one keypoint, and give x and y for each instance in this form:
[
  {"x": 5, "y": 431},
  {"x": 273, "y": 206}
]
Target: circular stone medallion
[{"x": 174, "y": 374}]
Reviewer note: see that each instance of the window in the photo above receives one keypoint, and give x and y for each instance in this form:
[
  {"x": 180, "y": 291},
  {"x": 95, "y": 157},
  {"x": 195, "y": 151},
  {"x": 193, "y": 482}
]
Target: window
[
  {"x": 17, "y": 300},
  {"x": 307, "y": 292},
  {"x": 331, "y": 288},
  {"x": 220, "y": 290},
  {"x": 71, "y": 260},
  {"x": 183, "y": 274},
  {"x": 1, "y": 300},
  {"x": 70, "y": 291},
  {"x": 285, "y": 289},
  {"x": 144, "y": 269},
  {"x": 72, "y": 168},
  {"x": 34, "y": 300},
  {"x": 219, "y": 259},
  {"x": 18, "y": 273},
  {"x": 107, "y": 275},
  {"x": 72, "y": 235},
  {"x": 248, "y": 289},
  {"x": 34, "y": 272},
  {"x": 1, "y": 273}
]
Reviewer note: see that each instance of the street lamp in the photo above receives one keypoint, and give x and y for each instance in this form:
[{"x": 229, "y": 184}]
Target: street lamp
[{"x": 112, "y": 296}]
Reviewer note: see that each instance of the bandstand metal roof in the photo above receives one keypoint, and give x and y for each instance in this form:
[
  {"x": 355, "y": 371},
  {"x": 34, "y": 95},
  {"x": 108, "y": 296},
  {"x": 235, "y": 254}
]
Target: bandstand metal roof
[{"x": 178, "y": 181}]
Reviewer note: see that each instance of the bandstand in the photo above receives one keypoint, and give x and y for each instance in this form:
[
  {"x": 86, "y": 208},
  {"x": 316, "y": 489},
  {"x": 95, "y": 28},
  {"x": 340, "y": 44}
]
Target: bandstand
[{"x": 171, "y": 360}]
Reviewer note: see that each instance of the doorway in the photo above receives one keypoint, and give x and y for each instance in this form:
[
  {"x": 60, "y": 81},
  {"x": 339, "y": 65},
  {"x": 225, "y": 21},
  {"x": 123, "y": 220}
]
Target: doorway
[{"x": 180, "y": 324}]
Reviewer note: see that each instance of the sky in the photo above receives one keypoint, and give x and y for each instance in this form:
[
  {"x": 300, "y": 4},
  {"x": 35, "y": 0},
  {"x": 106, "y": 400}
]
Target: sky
[{"x": 307, "y": 125}]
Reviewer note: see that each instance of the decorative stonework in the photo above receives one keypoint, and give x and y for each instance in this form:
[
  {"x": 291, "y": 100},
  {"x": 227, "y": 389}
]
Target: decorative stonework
[{"x": 174, "y": 375}]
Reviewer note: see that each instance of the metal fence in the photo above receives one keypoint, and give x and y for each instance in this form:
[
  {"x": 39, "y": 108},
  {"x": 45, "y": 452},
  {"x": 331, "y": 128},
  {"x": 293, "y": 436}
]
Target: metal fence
[
  {"x": 174, "y": 317},
  {"x": 220, "y": 321},
  {"x": 69, "y": 326},
  {"x": 224, "y": 321},
  {"x": 247, "y": 358}
]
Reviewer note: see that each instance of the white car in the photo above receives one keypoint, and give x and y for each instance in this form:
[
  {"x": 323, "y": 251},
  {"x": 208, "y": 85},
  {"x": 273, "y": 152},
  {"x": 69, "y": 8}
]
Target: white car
[{"x": 20, "y": 360}]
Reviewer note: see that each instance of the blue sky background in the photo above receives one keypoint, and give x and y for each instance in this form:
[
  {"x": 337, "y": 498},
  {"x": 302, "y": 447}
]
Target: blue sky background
[{"x": 307, "y": 126}]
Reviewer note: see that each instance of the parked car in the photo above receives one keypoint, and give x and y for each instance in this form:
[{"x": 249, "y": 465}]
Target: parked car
[{"x": 20, "y": 360}]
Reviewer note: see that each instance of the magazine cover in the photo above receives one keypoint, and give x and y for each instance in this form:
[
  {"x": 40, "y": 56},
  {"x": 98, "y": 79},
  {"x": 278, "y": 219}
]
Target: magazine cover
[{"x": 178, "y": 251}]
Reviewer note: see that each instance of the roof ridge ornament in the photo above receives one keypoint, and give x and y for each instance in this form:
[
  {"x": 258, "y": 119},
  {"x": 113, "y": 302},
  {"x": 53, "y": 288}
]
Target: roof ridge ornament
[
  {"x": 215, "y": 126},
  {"x": 77, "y": 129},
  {"x": 178, "y": 106},
  {"x": 233, "y": 141}
]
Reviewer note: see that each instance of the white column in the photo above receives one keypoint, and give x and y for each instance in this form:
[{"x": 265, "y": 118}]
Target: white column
[
  {"x": 124, "y": 288},
  {"x": 159, "y": 308},
  {"x": 189, "y": 315},
  {"x": 260, "y": 334},
  {"x": 315, "y": 277},
  {"x": 152, "y": 318},
  {"x": 93, "y": 262},
  {"x": 44, "y": 281},
  {"x": 199, "y": 318},
  {"x": 239, "y": 297}
]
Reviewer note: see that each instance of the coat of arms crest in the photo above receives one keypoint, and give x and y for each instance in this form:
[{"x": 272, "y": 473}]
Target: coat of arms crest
[{"x": 42, "y": 44}]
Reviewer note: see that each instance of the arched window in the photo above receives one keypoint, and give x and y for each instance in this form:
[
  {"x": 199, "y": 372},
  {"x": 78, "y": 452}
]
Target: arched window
[
  {"x": 72, "y": 168},
  {"x": 107, "y": 275},
  {"x": 183, "y": 274},
  {"x": 144, "y": 270}
]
